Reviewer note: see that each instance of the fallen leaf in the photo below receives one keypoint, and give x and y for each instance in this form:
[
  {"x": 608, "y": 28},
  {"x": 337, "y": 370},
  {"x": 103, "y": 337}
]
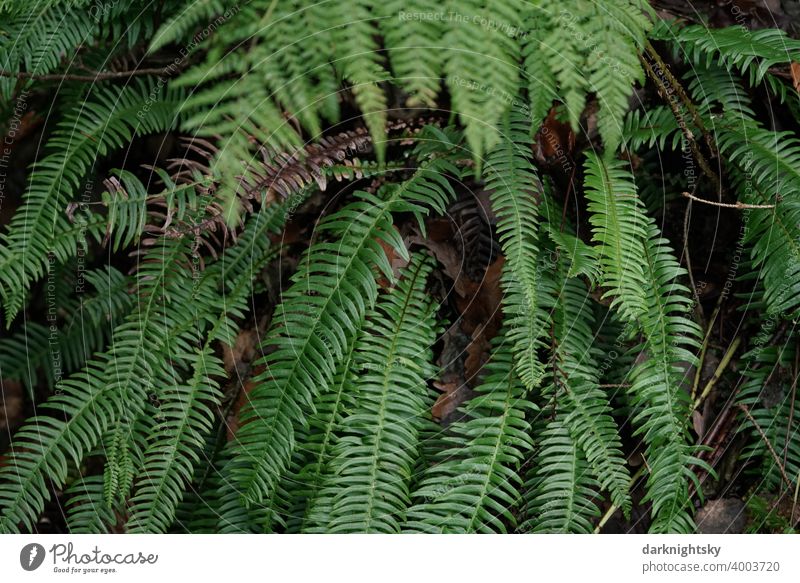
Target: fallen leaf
[
  {"x": 237, "y": 358},
  {"x": 11, "y": 414},
  {"x": 478, "y": 354},
  {"x": 453, "y": 394},
  {"x": 232, "y": 423},
  {"x": 480, "y": 305}
]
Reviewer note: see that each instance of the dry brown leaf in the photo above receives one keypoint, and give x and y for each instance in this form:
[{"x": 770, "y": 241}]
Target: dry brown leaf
[
  {"x": 795, "y": 70},
  {"x": 237, "y": 358},
  {"x": 232, "y": 420},
  {"x": 11, "y": 405},
  {"x": 448, "y": 401}
]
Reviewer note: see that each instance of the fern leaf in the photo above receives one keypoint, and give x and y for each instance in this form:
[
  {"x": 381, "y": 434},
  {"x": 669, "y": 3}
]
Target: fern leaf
[
  {"x": 475, "y": 487},
  {"x": 374, "y": 455},
  {"x": 560, "y": 494},
  {"x": 515, "y": 195},
  {"x": 318, "y": 319}
]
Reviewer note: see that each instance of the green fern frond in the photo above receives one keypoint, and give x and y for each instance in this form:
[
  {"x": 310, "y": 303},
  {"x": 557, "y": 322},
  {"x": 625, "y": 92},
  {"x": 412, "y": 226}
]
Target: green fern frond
[
  {"x": 766, "y": 171},
  {"x": 190, "y": 16},
  {"x": 708, "y": 85},
  {"x": 185, "y": 415},
  {"x": 767, "y": 392},
  {"x": 586, "y": 408},
  {"x": 319, "y": 318},
  {"x": 374, "y": 454},
  {"x": 617, "y": 31},
  {"x": 415, "y": 52},
  {"x": 324, "y": 427},
  {"x": 108, "y": 119},
  {"x": 651, "y": 127},
  {"x": 515, "y": 195},
  {"x": 540, "y": 76},
  {"x": 644, "y": 277},
  {"x": 361, "y": 64},
  {"x": 753, "y": 52},
  {"x": 86, "y": 510},
  {"x": 618, "y": 226},
  {"x": 560, "y": 493},
  {"x": 474, "y": 486},
  {"x": 85, "y": 329},
  {"x": 88, "y": 405},
  {"x": 36, "y": 43},
  {"x": 658, "y": 387},
  {"x": 482, "y": 67}
]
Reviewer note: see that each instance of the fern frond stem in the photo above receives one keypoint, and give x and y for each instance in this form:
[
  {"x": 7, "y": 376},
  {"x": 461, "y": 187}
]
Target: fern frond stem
[
  {"x": 704, "y": 347},
  {"x": 771, "y": 449},
  {"x": 678, "y": 88},
  {"x": 664, "y": 91},
  {"x": 687, "y": 254},
  {"x": 613, "y": 508},
  {"x": 723, "y": 364},
  {"x": 168, "y": 71},
  {"x": 736, "y": 205},
  {"x": 791, "y": 406}
]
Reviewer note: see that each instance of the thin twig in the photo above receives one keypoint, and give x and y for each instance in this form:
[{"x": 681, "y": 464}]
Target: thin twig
[
  {"x": 704, "y": 347},
  {"x": 736, "y": 205},
  {"x": 96, "y": 76},
  {"x": 698, "y": 307},
  {"x": 791, "y": 406},
  {"x": 723, "y": 364},
  {"x": 676, "y": 112},
  {"x": 786, "y": 479},
  {"x": 678, "y": 88}
]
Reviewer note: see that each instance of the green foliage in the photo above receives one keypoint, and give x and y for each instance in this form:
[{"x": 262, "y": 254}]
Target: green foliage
[
  {"x": 371, "y": 464},
  {"x": 643, "y": 278},
  {"x": 474, "y": 484},
  {"x": 108, "y": 118},
  {"x": 516, "y": 194},
  {"x": 318, "y": 319}
]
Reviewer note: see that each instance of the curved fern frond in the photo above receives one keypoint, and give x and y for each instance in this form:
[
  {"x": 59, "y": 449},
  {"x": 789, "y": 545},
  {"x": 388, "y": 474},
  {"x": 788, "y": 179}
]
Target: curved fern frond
[
  {"x": 108, "y": 119},
  {"x": 482, "y": 67},
  {"x": 319, "y": 318},
  {"x": 753, "y": 52},
  {"x": 415, "y": 52},
  {"x": 90, "y": 402},
  {"x": 618, "y": 227},
  {"x": 586, "y": 408},
  {"x": 86, "y": 328},
  {"x": 647, "y": 291},
  {"x": 560, "y": 493}
]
